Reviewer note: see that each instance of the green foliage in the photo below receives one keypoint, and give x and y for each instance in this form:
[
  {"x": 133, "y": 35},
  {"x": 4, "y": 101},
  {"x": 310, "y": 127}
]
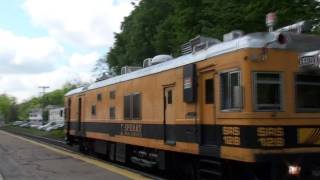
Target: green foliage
[
  {"x": 25, "y": 107},
  {"x": 161, "y": 26},
  {"x": 8, "y": 108}
]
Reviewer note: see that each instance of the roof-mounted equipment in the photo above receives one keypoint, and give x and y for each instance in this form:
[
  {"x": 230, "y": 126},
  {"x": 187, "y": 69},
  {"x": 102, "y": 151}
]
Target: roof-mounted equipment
[
  {"x": 198, "y": 43},
  {"x": 85, "y": 87},
  {"x": 104, "y": 76},
  {"x": 232, "y": 35},
  {"x": 129, "y": 69},
  {"x": 271, "y": 21},
  {"x": 146, "y": 62},
  {"x": 299, "y": 27},
  {"x": 160, "y": 59}
]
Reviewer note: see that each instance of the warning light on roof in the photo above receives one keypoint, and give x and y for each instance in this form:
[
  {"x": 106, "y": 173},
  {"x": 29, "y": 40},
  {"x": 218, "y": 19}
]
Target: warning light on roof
[{"x": 271, "y": 20}]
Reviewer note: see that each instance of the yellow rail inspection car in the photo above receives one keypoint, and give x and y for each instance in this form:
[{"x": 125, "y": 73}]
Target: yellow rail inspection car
[{"x": 244, "y": 108}]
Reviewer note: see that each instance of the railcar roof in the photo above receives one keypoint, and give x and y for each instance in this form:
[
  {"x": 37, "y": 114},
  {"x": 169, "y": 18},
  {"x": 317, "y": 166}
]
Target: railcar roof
[{"x": 298, "y": 42}]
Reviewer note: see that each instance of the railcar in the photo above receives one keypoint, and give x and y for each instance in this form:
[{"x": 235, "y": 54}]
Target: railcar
[{"x": 244, "y": 108}]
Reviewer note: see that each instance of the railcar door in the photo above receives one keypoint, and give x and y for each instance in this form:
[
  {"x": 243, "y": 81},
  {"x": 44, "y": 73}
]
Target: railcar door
[
  {"x": 169, "y": 116},
  {"x": 208, "y": 131},
  {"x": 79, "y": 113},
  {"x": 68, "y": 116}
]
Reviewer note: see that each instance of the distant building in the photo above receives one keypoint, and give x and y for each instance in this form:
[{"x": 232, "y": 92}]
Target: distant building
[
  {"x": 56, "y": 115},
  {"x": 35, "y": 116},
  {"x": 48, "y": 107}
]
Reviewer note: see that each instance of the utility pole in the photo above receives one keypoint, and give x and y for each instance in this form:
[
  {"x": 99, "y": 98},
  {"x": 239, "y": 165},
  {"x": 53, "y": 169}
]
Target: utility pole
[
  {"x": 44, "y": 115},
  {"x": 43, "y": 89}
]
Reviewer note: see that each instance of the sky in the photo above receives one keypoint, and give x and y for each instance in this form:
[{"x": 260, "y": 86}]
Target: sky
[{"x": 52, "y": 42}]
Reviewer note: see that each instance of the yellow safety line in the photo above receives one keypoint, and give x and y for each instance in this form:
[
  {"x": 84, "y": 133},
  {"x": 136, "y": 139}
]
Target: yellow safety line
[{"x": 95, "y": 162}]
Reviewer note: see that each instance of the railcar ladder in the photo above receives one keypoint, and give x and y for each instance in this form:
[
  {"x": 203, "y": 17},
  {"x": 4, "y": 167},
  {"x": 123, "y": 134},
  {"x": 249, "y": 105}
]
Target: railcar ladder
[{"x": 210, "y": 169}]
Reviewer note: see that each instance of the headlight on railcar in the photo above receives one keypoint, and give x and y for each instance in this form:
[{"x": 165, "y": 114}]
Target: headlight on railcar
[{"x": 294, "y": 170}]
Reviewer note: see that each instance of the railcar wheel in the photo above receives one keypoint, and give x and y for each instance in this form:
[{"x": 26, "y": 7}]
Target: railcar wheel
[
  {"x": 251, "y": 176},
  {"x": 81, "y": 147},
  {"x": 248, "y": 175},
  {"x": 189, "y": 171}
]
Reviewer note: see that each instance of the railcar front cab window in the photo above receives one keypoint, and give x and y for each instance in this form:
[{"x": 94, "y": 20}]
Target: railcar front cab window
[
  {"x": 231, "y": 91},
  {"x": 307, "y": 93},
  {"x": 267, "y": 88}
]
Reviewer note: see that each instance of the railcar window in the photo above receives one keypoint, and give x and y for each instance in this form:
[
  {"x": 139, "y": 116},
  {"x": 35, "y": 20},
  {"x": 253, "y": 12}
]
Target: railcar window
[
  {"x": 170, "y": 97},
  {"x": 112, "y": 94},
  {"x": 93, "y": 110},
  {"x": 229, "y": 83},
  {"x": 267, "y": 88},
  {"x": 136, "y": 106},
  {"x": 209, "y": 91},
  {"x": 99, "y": 97},
  {"x": 112, "y": 113},
  {"x": 127, "y": 105},
  {"x": 307, "y": 93},
  {"x": 132, "y": 107}
]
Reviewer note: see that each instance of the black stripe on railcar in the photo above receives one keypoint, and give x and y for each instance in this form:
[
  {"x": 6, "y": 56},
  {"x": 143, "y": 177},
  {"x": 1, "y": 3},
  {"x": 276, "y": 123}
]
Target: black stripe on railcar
[{"x": 248, "y": 136}]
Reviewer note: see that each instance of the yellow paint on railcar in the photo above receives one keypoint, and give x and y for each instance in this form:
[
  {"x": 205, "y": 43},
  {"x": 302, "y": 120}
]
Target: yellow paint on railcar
[{"x": 269, "y": 132}]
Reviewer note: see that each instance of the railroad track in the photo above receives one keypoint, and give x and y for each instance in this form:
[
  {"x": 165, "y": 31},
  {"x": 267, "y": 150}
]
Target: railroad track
[{"x": 63, "y": 146}]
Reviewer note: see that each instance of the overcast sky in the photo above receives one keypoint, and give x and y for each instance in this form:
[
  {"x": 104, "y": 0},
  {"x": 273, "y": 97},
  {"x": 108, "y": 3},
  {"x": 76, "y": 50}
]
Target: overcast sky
[{"x": 51, "y": 42}]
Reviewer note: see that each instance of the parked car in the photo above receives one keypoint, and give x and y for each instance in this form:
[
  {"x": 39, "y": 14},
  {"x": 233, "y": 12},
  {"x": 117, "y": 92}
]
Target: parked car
[
  {"x": 57, "y": 126},
  {"x": 27, "y": 124},
  {"x": 17, "y": 123},
  {"x": 44, "y": 127},
  {"x": 34, "y": 125}
]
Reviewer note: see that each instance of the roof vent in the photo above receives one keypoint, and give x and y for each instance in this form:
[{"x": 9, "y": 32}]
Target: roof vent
[
  {"x": 129, "y": 69},
  {"x": 85, "y": 87},
  {"x": 198, "y": 43},
  {"x": 160, "y": 59},
  {"x": 147, "y": 62},
  {"x": 232, "y": 35},
  {"x": 104, "y": 76},
  {"x": 186, "y": 48}
]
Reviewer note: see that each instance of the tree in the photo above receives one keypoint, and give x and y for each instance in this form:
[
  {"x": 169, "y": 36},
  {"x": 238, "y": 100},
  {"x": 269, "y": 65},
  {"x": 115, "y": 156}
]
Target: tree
[
  {"x": 101, "y": 68},
  {"x": 162, "y": 26},
  {"x": 8, "y": 108}
]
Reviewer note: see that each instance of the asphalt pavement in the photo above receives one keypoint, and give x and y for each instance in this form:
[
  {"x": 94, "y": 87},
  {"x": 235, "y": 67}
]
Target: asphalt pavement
[{"x": 22, "y": 159}]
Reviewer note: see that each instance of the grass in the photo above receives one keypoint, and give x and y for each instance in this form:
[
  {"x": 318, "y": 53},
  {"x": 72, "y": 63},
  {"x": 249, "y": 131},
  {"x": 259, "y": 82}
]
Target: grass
[{"x": 56, "y": 134}]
